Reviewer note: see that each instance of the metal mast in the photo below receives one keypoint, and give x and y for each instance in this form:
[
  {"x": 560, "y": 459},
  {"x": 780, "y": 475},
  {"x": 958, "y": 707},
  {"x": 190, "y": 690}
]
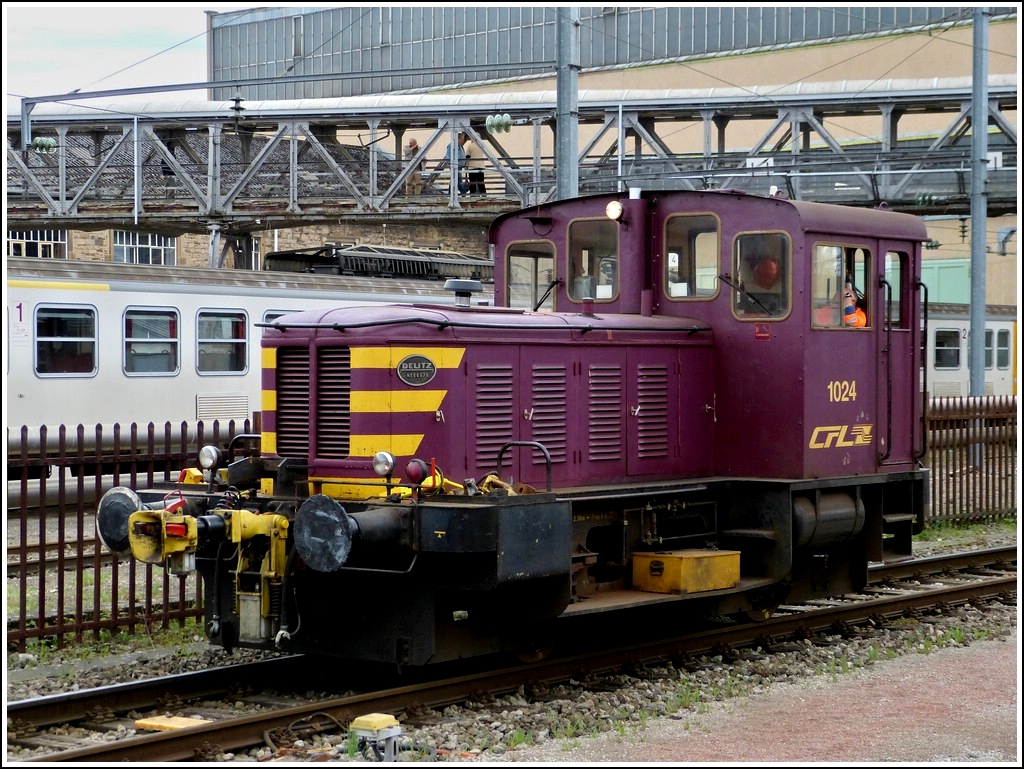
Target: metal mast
[
  {"x": 567, "y": 114},
  {"x": 979, "y": 201}
]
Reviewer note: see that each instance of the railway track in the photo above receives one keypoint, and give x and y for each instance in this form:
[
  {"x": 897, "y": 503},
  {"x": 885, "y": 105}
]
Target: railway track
[
  {"x": 99, "y": 724},
  {"x": 55, "y": 555}
]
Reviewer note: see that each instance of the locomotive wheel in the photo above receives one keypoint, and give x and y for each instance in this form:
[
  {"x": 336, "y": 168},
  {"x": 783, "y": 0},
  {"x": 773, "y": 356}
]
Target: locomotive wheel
[
  {"x": 758, "y": 613},
  {"x": 534, "y": 652}
]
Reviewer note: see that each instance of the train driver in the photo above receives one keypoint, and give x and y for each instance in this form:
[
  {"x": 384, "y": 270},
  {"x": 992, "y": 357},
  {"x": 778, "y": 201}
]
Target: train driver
[{"x": 853, "y": 315}]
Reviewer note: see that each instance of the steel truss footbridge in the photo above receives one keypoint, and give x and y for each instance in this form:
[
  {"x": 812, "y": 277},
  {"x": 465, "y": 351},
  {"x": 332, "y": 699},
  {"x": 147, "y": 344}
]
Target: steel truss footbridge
[{"x": 238, "y": 167}]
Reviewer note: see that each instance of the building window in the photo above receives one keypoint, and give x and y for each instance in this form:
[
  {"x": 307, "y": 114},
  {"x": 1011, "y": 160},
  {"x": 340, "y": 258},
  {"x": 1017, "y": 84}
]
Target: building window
[
  {"x": 223, "y": 342},
  {"x": 247, "y": 254},
  {"x": 65, "y": 340},
  {"x": 44, "y": 244},
  {"x": 296, "y": 37},
  {"x": 150, "y": 341},
  {"x": 144, "y": 248}
]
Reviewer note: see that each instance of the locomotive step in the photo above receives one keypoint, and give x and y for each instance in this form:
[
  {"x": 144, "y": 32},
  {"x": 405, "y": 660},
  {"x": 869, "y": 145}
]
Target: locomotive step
[{"x": 617, "y": 599}]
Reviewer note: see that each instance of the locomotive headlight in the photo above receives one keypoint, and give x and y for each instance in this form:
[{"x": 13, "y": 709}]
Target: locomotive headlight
[
  {"x": 417, "y": 471},
  {"x": 209, "y": 457},
  {"x": 613, "y": 210},
  {"x": 383, "y": 463}
]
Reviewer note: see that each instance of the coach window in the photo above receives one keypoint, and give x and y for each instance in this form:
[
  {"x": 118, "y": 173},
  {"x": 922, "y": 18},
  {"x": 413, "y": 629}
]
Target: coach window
[
  {"x": 271, "y": 315},
  {"x": 836, "y": 272},
  {"x": 150, "y": 341},
  {"x": 593, "y": 259},
  {"x": 947, "y": 349},
  {"x": 691, "y": 256},
  {"x": 65, "y": 340},
  {"x": 1003, "y": 349},
  {"x": 761, "y": 270},
  {"x": 223, "y": 342},
  {"x": 529, "y": 275}
]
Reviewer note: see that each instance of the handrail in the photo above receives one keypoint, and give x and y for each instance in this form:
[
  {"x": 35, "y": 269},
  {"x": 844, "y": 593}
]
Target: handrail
[
  {"x": 536, "y": 445},
  {"x": 921, "y": 452},
  {"x": 882, "y": 282}
]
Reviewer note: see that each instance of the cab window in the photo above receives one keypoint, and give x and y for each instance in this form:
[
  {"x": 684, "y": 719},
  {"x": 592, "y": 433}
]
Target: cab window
[
  {"x": 839, "y": 276},
  {"x": 761, "y": 276},
  {"x": 691, "y": 256},
  {"x": 593, "y": 259},
  {"x": 530, "y": 272}
]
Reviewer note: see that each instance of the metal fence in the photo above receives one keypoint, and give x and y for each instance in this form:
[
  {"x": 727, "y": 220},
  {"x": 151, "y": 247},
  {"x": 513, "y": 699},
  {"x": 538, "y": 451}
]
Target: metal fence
[
  {"x": 62, "y": 586},
  {"x": 972, "y": 454}
]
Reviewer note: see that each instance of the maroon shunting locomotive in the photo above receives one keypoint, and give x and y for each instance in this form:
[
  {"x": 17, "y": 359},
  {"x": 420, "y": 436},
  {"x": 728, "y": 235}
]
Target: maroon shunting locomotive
[{"x": 663, "y": 413}]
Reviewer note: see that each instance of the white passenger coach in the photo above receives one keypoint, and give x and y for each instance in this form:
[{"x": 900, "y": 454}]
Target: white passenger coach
[{"x": 99, "y": 343}]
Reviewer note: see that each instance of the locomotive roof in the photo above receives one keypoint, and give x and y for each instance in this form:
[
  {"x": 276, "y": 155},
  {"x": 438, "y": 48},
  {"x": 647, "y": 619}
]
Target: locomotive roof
[
  {"x": 814, "y": 217},
  {"x": 439, "y": 317}
]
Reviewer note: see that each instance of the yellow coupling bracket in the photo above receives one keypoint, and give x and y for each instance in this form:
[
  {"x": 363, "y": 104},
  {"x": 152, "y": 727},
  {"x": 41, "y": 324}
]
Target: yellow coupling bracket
[
  {"x": 155, "y": 535},
  {"x": 243, "y": 525}
]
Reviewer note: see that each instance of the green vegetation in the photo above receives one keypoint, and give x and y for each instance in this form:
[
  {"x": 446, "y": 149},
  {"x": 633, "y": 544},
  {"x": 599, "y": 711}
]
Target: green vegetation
[
  {"x": 955, "y": 635},
  {"x": 572, "y": 728},
  {"x": 518, "y": 737},
  {"x": 352, "y": 745},
  {"x": 122, "y": 641},
  {"x": 686, "y": 696},
  {"x": 940, "y": 530}
]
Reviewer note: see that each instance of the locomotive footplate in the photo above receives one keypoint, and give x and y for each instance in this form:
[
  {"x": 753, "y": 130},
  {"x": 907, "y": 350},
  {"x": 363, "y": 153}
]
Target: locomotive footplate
[{"x": 612, "y": 600}]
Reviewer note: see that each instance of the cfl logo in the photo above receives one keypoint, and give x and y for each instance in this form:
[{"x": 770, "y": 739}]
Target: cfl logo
[{"x": 840, "y": 436}]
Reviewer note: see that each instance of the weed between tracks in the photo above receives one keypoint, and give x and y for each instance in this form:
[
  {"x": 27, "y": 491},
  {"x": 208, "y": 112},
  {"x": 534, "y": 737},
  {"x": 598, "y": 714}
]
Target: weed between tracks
[{"x": 111, "y": 643}]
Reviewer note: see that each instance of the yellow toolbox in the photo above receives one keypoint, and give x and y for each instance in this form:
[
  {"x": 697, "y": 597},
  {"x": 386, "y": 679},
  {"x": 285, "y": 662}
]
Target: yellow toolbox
[{"x": 686, "y": 571}]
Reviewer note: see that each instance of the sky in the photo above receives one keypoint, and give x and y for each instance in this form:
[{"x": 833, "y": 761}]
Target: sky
[{"x": 54, "y": 48}]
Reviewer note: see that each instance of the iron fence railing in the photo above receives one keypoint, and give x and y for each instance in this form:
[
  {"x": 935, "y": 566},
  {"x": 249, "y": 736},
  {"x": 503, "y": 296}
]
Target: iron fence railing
[
  {"x": 972, "y": 454},
  {"x": 62, "y": 585}
]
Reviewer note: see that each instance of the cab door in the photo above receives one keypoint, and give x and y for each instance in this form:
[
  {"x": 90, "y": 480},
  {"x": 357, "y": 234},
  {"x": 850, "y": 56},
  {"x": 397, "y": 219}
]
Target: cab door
[{"x": 899, "y": 358}]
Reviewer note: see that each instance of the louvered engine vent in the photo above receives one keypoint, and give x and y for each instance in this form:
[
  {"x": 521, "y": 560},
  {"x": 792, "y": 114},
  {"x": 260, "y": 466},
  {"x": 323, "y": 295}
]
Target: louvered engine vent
[
  {"x": 293, "y": 389},
  {"x": 333, "y": 414}
]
